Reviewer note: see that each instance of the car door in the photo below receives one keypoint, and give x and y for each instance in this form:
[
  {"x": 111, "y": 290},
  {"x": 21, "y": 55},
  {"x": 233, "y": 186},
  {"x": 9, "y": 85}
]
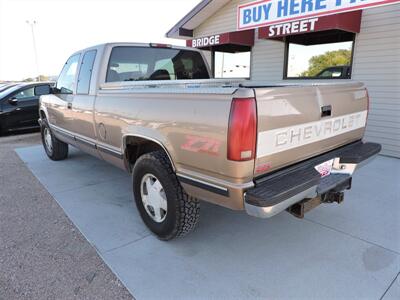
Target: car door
[
  {"x": 21, "y": 109},
  {"x": 8, "y": 114},
  {"x": 60, "y": 101}
]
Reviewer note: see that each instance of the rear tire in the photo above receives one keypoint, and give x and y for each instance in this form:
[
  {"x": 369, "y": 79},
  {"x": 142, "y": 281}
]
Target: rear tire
[
  {"x": 55, "y": 149},
  {"x": 164, "y": 206}
]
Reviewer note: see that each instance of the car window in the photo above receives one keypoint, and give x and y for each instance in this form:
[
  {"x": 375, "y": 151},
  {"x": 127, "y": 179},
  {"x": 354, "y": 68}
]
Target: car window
[
  {"x": 85, "y": 73},
  {"x": 331, "y": 73},
  {"x": 25, "y": 94},
  {"x": 66, "y": 80},
  {"x": 129, "y": 63}
]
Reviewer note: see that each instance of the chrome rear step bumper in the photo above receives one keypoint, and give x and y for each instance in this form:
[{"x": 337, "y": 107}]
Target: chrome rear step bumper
[{"x": 280, "y": 190}]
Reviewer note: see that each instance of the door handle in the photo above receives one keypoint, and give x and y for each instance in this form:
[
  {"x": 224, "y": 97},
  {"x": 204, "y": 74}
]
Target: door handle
[
  {"x": 326, "y": 111},
  {"x": 69, "y": 105},
  {"x": 18, "y": 109}
]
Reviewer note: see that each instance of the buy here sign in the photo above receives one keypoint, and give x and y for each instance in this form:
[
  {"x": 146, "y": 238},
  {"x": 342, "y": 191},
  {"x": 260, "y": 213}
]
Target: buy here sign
[{"x": 267, "y": 12}]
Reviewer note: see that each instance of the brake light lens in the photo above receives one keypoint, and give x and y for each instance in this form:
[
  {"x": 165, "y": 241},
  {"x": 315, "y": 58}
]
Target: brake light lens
[
  {"x": 242, "y": 131},
  {"x": 158, "y": 45}
]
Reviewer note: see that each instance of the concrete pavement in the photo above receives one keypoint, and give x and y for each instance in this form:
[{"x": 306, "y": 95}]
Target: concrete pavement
[
  {"x": 42, "y": 254},
  {"x": 348, "y": 251}
]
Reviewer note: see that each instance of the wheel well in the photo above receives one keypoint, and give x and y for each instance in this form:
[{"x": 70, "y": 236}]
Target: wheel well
[
  {"x": 137, "y": 146},
  {"x": 42, "y": 114}
]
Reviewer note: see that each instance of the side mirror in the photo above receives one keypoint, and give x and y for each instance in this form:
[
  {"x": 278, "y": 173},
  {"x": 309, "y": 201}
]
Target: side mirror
[
  {"x": 42, "y": 90},
  {"x": 13, "y": 101}
]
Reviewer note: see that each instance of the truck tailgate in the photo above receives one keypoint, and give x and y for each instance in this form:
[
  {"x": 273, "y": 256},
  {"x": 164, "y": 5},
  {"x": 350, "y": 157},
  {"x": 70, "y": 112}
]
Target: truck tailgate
[{"x": 299, "y": 122}]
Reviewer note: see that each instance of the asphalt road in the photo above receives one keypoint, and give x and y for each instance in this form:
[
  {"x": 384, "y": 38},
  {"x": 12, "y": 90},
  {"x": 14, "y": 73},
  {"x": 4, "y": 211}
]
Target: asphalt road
[{"x": 42, "y": 254}]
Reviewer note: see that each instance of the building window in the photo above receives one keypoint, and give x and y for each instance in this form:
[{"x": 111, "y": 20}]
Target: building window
[
  {"x": 232, "y": 65},
  {"x": 310, "y": 57}
]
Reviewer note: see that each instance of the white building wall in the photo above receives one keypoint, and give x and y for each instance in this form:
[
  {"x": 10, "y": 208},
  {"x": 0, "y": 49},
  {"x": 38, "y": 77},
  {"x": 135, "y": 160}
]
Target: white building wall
[
  {"x": 267, "y": 60},
  {"x": 224, "y": 20},
  {"x": 377, "y": 64}
]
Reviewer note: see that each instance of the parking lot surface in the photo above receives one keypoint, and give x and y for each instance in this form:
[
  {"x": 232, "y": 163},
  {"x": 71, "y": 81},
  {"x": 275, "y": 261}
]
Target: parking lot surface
[
  {"x": 347, "y": 251},
  {"x": 42, "y": 254}
]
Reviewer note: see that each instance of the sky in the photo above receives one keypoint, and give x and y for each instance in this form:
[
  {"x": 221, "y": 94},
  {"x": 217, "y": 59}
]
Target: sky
[{"x": 65, "y": 26}]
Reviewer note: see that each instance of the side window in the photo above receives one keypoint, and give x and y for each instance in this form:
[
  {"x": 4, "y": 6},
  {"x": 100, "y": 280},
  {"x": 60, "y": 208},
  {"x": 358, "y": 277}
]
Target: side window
[
  {"x": 25, "y": 94},
  {"x": 85, "y": 73},
  {"x": 65, "y": 82}
]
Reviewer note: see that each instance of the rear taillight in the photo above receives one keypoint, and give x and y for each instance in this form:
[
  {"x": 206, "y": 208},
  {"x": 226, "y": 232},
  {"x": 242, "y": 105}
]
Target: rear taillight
[{"x": 242, "y": 131}]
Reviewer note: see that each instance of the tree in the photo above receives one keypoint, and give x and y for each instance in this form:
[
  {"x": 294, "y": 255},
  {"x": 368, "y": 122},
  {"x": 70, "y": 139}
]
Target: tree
[
  {"x": 39, "y": 78},
  {"x": 317, "y": 63}
]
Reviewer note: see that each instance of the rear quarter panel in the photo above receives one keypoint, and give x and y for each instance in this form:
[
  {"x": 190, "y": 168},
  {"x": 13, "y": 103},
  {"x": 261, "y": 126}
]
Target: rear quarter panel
[{"x": 191, "y": 124}]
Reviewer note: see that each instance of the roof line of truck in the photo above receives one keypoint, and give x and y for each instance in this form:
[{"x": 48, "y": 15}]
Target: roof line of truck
[{"x": 147, "y": 45}]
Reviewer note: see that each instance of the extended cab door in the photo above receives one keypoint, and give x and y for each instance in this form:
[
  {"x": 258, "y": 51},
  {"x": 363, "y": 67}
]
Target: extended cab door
[
  {"x": 83, "y": 105},
  {"x": 60, "y": 102}
]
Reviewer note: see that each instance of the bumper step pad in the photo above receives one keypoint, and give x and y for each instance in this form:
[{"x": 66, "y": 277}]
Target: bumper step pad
[
  {"x": 284, "y": 184},
  {"x": 282, "y": 187}
]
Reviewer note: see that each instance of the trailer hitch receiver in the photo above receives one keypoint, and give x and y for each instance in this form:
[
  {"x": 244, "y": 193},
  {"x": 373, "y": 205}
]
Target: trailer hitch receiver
[
  {"x": 299, "y": 209},
  {"x": 333, "y": 196}
]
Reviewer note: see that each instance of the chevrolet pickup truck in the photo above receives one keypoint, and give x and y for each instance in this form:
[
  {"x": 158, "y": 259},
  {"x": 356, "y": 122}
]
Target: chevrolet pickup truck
[{"x": 154, "y": 111}]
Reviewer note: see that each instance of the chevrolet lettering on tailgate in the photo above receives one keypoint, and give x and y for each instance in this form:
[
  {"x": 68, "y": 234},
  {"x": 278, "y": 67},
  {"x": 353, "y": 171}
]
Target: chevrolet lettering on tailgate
[{"x": 291, "y": 137}]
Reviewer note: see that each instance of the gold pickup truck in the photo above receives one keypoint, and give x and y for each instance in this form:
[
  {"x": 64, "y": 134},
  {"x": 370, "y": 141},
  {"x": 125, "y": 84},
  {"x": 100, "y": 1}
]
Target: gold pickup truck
[{"x": 262, "y": 147}]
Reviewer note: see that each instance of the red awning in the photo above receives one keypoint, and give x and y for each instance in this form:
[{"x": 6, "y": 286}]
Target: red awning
[
  {"x": 348, "y": 22},
  {"x": 236, "y": 41}
]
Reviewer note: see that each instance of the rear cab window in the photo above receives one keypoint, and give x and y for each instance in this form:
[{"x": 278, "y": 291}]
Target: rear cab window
[{"x": 130, "y": 63}]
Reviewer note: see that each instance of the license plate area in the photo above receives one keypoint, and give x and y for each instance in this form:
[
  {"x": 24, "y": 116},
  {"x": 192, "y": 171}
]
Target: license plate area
[{"x": 325, "y": 168}]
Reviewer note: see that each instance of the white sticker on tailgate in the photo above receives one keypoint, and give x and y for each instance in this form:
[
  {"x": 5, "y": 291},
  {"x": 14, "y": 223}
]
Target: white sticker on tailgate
[
  {"x": 325, "y": 168},
  {"x": 282, "y": 139}
]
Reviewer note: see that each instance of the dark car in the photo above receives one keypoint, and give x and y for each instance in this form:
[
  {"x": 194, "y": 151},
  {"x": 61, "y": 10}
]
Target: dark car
[
  {"x": 19, "y": 105},
  {"x": 5, "y": 86},
  {"x": 337, "y": 72}
]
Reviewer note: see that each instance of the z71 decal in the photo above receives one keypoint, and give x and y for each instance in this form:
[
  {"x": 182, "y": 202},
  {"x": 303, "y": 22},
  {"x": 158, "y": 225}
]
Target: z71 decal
[{"x": 195, "y": 143}]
